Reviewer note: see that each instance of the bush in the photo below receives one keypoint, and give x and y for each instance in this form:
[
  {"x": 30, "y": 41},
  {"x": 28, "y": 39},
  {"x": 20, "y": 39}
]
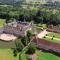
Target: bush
[{"x": 15, "y": 52}]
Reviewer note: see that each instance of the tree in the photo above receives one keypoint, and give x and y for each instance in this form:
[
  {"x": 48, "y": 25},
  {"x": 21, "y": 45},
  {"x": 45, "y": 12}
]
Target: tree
[
  {"x": 24, "y": 40},
  {"x": 31, "y": 49},
  {"x": 29, "y": 35},
  {"x": 19, "y": 45}
]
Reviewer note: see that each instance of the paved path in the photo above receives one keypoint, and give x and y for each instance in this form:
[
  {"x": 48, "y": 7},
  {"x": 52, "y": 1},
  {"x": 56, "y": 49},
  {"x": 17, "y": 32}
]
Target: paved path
[{"x": 42, "y": 34}]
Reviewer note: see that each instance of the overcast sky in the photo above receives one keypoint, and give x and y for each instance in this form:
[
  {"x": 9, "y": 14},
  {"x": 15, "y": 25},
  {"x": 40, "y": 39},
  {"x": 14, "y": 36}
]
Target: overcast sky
[{"x": 57, "y": 0}]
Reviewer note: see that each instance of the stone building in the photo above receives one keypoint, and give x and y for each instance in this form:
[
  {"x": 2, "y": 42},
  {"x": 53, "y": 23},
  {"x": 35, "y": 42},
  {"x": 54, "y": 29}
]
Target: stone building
[{"x": 17, "y": 28}]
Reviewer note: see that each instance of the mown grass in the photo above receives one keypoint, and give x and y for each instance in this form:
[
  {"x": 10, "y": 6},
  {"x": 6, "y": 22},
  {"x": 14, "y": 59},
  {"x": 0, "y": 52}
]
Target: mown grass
[
  {"x": 46, "y": 56},
  {"x": 56, "y": 35},
  {"x": 52, "y": 35},
  {"x": 51, "y": 40},
  {"x": 2, "y": 21},
  {"x": 7, "y": 54}
]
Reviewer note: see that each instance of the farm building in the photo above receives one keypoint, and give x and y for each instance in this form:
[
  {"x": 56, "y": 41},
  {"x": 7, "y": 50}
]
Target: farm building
[{"x": 17, "y": 28}]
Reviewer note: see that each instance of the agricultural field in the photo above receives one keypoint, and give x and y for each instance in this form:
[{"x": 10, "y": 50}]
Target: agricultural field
[
  {"x": 2, "y": 21},
  {"x": 52, "y": 37}
]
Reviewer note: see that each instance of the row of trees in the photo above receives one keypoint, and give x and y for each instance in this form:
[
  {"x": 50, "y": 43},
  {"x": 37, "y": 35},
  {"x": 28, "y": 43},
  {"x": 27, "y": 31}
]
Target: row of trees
[
  {"x": 47, "y": 17},
  {"x": 38, "y": 15}
]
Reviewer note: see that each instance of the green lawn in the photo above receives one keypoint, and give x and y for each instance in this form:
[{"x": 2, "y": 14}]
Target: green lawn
[
  {"x": 43, "y": 56},
  {"x": 56, "y": 35},
  {"x": 46, "y": 56},
  {"x": 24, "y": 56},
  {"x": 51, "y": 34},
  {"x": 50, "y": 40},
  {"x": 2, "y": 21},
  {"x": 7, "y": 54}
]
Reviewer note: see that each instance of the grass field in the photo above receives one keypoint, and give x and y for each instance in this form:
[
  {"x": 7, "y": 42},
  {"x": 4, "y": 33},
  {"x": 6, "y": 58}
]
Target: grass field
[
  {"x": 50, "y": 40},
  {"x": 56, "y": 38},
  {"x": 7, "y": 54},
  {"x": 2, "y": 21},
  {"x": 56, "y": 35},
  {"x": 46, "y": 56}
]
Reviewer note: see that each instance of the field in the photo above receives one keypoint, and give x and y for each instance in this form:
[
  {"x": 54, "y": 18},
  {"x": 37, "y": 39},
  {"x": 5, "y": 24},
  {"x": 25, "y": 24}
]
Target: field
[
  {"x": 52, "y": 37},
  {"x": 2, "y": 21},
  {"x": 46, "y": 56},
  {"x": 56, "y": 35},
  {"x": 7, "y": 54}
]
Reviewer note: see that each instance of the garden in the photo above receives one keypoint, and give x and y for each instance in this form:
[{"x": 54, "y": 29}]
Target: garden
[{"x": 52, "y": 37}]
